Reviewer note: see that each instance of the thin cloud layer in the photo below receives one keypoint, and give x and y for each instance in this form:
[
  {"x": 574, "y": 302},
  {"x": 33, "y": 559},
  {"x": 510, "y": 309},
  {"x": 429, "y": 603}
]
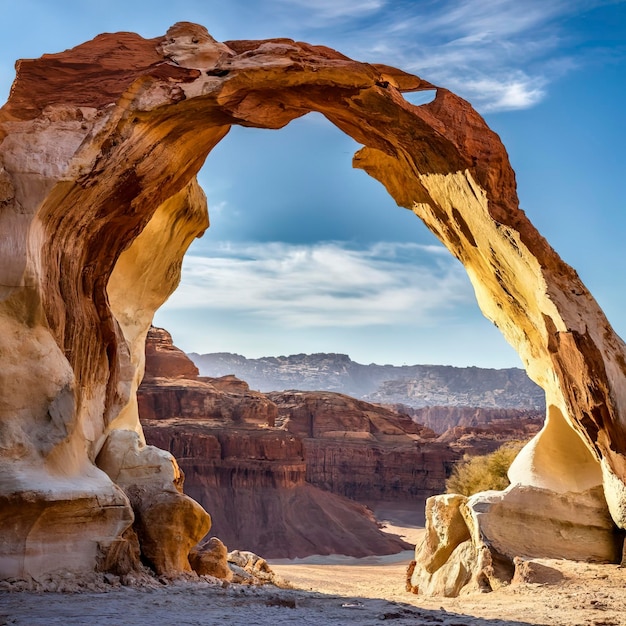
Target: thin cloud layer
[
  {"x": 322, "y": 10},
  {"x": 326, "y": 284},
  {"x": 499, "y": 54}
]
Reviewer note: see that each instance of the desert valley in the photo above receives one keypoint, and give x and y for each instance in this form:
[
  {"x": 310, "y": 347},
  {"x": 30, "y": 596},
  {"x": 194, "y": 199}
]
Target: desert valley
[{"x": 141, "y": 485}]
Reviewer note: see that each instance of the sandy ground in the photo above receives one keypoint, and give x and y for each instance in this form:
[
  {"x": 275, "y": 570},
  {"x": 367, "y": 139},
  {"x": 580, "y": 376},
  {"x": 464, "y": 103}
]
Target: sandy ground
[{"x": 336, "y": 590}]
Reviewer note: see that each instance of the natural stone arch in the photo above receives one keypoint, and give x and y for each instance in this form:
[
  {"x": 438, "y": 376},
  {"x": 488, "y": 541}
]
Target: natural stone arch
[{"x": 99, "y": 148}]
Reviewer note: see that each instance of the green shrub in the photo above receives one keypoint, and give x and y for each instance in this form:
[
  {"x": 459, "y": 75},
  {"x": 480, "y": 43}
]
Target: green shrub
[{"x": 482, "y": 473}]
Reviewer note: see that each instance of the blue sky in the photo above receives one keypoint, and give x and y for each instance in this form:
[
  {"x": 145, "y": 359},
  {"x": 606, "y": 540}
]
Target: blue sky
[{"x": 306, "y": 254}]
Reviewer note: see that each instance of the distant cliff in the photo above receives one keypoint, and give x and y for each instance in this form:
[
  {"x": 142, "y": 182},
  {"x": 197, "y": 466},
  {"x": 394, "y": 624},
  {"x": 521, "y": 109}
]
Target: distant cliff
[
  {"x": 275, "y": 470},
  {"x": 413, "y": 385}
]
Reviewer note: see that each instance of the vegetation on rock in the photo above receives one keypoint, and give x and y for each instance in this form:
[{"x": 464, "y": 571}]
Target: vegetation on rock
[{"x": 482, "y": 473}]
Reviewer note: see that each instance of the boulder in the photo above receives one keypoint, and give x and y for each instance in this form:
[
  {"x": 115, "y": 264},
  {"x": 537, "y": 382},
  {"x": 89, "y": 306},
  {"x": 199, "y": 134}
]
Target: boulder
[
  {"x": 528, "y": 571},
  {"x": 167, "y": 522},
  {"x": 476, "y": 543},
  {"x": 251, "y": 569},
  {"x": 209, "y": 558}
]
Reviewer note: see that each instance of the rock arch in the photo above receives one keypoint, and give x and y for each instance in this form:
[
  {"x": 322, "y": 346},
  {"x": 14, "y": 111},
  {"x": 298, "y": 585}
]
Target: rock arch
[{"x": 99, "y": 149}]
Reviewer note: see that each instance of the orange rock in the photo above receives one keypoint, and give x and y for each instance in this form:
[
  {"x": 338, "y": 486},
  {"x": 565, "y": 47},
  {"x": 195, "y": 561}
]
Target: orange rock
[{"x": 210, "y": 559}]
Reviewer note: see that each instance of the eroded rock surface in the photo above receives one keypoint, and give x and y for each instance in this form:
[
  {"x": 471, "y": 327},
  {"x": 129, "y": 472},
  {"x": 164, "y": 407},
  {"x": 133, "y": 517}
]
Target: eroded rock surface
[
  {"x": 412, "y": 385},
  {"x": 479, "y": 543},
  {"x": 364, "y": 451},
  {"x": 244, "y": 465},
  {"x": 99, "y": 149}
]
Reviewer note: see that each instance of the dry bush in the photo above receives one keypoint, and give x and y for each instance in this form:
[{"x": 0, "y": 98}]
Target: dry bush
[{"x": 482, "y": 473}]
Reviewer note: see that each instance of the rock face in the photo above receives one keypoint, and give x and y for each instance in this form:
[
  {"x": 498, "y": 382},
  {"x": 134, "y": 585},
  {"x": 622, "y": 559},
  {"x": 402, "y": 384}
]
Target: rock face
[
  {"x": 99, "y": 149},
  {"x": 474, "y": 544},
  {"x": 253, "y": 468},
  {"x": 443, "y": 418},
  {"x": 364, "y": 451},
  {"x": 254, "y": 483},
  {"x": 164, "y": 359},
  {"x": 412, "y": 385}
]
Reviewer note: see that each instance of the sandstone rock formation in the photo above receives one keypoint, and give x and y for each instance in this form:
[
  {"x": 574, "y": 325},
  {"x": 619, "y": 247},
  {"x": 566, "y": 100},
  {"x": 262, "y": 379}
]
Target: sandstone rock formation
[
  {"x": 99, "y": 148},
  {"x": 252, "y": 473},
  {"x": 211, "y": 559},
  {"x": 443, "y": 418},
  {"x": 474, "y": 544},
  {"x": 164, "y": 359},
  {"x": 364, "y": 451}
]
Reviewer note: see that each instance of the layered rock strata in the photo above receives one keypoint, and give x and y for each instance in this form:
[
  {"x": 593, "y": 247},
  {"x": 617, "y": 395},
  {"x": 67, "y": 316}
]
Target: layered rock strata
[
  {"x": 243, "y": 465},
  {"x": 443, "y": 418},
  {"x": 252, "y": 475},
  {"x": 364, "y": 451},
  {"x": 99, "y": 149}
]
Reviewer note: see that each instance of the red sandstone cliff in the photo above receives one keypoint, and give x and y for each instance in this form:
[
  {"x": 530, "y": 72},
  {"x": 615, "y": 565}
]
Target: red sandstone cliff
[
  {"x": 361, "y": 450},
  {"x": 247, "y": 472},
  {"x": 257, "y": 461}
]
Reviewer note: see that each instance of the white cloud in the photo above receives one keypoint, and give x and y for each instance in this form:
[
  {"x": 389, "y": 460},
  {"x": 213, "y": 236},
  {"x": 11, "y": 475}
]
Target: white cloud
[
  {"x": 326, "y": 284},
  {"x": 499, "y": 54},
  {"x": 334, "y": 9},
  {"x": 509, "y": 92}
]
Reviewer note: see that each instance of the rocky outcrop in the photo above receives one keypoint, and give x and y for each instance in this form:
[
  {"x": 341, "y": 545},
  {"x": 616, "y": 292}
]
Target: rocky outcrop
[
  {"x": 203, "y": 398},
  {"x": 211, "y": 559},
  {"x": 412, "y": 385},
  {"x": 164, "y": 359},
  {"x": 99, "y": 149},
  {"x": 474, "y": 544},
  {"x": 443, "y": 418},
  {"x": 364, "y": 451},
  {"x": 243, "y": 465},
  {"x": 259, "y": 477},
  {"x": 167, "y": 522},
  {"x": 473, "y": 441},
  {"x": 254, "y": 483}
]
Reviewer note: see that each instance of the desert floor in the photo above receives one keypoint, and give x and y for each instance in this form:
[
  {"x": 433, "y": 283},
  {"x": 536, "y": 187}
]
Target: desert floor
[{"x": 337, "y": 590}]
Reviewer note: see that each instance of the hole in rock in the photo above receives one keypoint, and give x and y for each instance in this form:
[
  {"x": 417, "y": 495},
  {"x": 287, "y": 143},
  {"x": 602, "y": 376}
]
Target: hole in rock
[
  {"x": 420, "y": 97},
  {"x": 306, "y": 254}
]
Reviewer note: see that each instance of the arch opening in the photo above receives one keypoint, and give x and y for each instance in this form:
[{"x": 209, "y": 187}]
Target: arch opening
[{"x": 314, "y": 256}]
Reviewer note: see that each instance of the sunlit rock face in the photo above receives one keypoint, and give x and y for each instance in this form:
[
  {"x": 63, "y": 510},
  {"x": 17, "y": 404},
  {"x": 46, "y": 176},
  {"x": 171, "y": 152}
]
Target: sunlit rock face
[
  {"x": 250, "y": 468},
  {"x": 99, "y": 149}
]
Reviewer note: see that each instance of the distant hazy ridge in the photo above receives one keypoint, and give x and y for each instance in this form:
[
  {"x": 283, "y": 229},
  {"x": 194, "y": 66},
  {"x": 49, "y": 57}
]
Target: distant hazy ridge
[{"x": 413, "y": 385}]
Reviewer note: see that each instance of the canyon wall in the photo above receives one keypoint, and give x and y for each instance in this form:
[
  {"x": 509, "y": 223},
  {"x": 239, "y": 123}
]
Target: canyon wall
[
  {"x": 364, "y": 451},
  {"x": 442, "y": 418},
  {"x": 246, "y": 468},
  {"x": 413, "y": 385},
  {"x": 259, "y": 462},
  {"x": 99, "y": 149}
]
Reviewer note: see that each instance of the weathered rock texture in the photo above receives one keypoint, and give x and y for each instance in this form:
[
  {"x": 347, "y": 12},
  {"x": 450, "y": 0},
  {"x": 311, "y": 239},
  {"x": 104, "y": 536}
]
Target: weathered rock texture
[
  {"x": 100, "y": 146},
  {"x": 412, "y": 385},
  {"x": 443, "y": 418},
  {"x": 243, "y": 463},
  {"x": 364, "y": 451}
]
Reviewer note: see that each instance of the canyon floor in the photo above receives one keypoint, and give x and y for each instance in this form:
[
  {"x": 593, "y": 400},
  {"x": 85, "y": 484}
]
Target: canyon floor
[{"x": 337, "y": 590}]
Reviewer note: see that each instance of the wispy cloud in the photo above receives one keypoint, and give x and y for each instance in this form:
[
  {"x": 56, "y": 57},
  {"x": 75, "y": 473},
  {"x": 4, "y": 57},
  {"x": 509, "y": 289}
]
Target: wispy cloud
[
  {"x": 516, "y": 91},
  {"x": 499, "y": 54},
  {"x": 326, "y": 284},
  {"x": 333, "y": 9}
]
